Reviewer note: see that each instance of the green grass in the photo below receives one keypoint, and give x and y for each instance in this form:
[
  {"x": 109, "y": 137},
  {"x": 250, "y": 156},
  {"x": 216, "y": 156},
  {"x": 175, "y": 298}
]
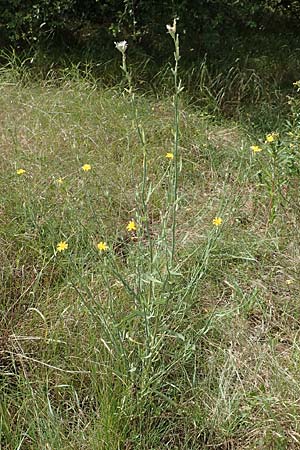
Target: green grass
[{"x": 124, "y": 350}]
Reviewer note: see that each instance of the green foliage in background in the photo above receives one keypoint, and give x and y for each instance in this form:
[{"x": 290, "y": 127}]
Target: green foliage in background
[{"x": 36, "y": 23}]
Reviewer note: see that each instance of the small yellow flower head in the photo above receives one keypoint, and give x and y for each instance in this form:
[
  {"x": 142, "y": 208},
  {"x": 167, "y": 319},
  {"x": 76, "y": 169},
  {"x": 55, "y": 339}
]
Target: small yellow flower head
[
  {"x": 102, "y": 246},
  {"x": 59, "y": 180},
  {"x": 256, "y": 148},
  {"x": 271, "y": 137},
  {"x": 20, "y": 171},
  {"x": 170, "y": 155},
  {"x": 86, "y": 167},
  {"x": 62, "y": 246},
  {"x": 131, "y": 226},
  {"x": 217, "y": 221}
]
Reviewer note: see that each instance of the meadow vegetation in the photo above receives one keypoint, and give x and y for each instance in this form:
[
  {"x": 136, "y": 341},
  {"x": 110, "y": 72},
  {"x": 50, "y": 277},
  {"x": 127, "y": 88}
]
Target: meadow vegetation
[{"x": 149, "y": 259}]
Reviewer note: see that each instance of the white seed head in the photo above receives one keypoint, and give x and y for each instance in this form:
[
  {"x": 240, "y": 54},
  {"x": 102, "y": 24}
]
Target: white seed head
[
  {"x": 121, "y": 46},
  {"x": 172, "y": 28}
]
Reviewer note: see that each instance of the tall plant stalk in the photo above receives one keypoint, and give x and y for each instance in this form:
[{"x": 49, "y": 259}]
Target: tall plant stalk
[
  {"x": 122, "y": 46},
  {"x": 177, "y": 89}
]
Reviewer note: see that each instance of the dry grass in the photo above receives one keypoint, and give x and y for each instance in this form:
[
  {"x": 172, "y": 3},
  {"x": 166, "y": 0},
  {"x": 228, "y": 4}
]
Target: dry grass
[{"x": 226, "y": 375}]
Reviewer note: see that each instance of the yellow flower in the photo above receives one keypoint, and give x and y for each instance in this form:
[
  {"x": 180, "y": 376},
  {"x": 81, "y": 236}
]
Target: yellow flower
[
  {"x": 20, "y": 171},
  {"x": 170, "y": 155},
  {"x": 86, "y": 167},
  {"x": 102, "y": 247},
  {"x": 62, "y": 246},
  {"x": 271, "y": 137},
  {"x": 217, "y": 221},
  {"x": 59, "y": 180},
  {"x": 131, "y": 226},
  {"x": 256, "y": 148}
]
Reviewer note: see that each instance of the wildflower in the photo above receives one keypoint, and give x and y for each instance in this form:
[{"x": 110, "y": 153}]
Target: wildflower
[
  {"x": 256, "y": 148},
  {"x": 172, "y": 28},
  {"x": 170, "y": 155},
  {"x": 59, "y": 180},
  {"x": 297, "y": 84},
  {"x": 131, "y": 226},
  {"x": 62, "y": 246},
  {"x": 217, "y": 221},
  {"x": 121, "y": 46},
  {"x": 86, "y": 167},
  {"x": 271, "y": 137},
  {"x": 102, "y": 246},
  {"x": 20, "y": 171}
]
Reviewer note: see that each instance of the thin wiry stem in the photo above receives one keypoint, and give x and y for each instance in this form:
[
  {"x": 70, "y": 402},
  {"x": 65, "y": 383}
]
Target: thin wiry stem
[
  {"x": 141, "y": 135},
  {"x": 177, "y": 89}
]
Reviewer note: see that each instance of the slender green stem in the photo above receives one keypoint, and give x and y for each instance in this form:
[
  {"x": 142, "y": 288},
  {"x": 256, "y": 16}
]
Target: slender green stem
[
  {"x": 141, "y": 135},
  {"x": 174, "y": 187},
  {"x": 176, "y": 144}
]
